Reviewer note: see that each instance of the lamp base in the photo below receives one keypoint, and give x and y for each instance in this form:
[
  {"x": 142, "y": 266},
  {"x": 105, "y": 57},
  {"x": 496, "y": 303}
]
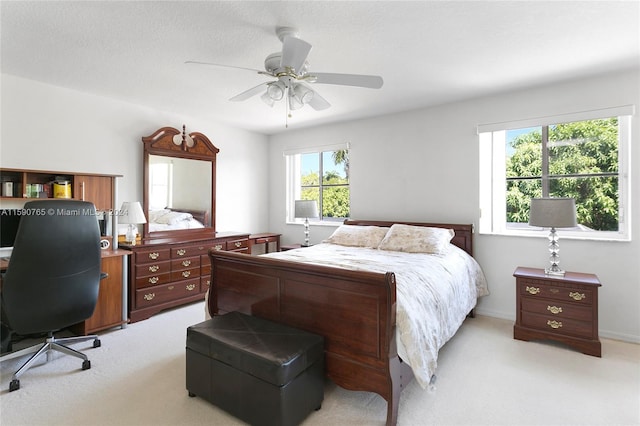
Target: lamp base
[
  {"x": 554, "y": 257},
  {"x": 556, "y": 272},
  {"x": 132, "y": 233}
]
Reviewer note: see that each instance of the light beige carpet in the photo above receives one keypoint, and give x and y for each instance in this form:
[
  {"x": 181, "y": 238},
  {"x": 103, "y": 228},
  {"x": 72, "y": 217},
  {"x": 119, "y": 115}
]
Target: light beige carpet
[{"x": 484, "y": 377}]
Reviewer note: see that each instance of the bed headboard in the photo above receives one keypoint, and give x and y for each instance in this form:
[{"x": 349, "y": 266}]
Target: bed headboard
[
  {"x": 201, "y": 216},
  {"x": 463, "y": 237}
]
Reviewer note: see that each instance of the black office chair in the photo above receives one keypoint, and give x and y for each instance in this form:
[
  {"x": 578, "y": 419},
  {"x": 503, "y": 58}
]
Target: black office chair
[{"x": 53, "y": 278}]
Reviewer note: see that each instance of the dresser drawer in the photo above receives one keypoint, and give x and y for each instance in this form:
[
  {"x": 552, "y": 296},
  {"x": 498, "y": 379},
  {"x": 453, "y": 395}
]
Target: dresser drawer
[
  {"x": 145, "y": 256},
  {"x": 238, "y": 245},
  {"x": 541, "y": 289},
  {"x": 560, "y": 326},
  {"x": 166, "y": 292},
  {"x": 151, "y": 280},
  {"x": 185, "y": 274},
  {"x": 556, "y": 308},
  {"x": 153, "y": 268},
  {"x": 218, "y": 246},
  {"x": 185, "y": 263},
  {"x": 189, "y": 251}
]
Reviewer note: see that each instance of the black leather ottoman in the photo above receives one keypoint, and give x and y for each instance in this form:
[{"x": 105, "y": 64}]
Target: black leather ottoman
[{"x": 262, "y": 372}]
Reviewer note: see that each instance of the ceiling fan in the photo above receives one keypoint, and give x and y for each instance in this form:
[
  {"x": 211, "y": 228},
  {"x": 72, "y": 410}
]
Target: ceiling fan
[{"x": 292, "y": 76}]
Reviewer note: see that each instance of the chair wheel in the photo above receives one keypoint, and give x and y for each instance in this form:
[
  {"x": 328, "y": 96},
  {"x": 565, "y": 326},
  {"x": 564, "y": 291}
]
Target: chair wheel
[
  {"x": 14, "y": 385},
  {"x": 97, "y": 343},
  {"x": 86, "y": 364}
]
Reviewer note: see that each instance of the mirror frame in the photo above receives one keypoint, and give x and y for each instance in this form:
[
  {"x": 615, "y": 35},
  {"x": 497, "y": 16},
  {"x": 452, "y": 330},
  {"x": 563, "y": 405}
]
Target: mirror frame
[{"x": 161, "y": 143}]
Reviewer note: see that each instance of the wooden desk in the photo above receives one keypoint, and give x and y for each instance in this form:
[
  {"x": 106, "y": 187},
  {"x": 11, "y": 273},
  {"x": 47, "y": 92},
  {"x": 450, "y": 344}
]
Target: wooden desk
[{"x": 111, "y": 309}]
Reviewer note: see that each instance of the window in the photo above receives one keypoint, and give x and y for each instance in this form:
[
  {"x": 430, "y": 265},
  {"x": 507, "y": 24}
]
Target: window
[
  {"x": 160, "y": 178},
  {"x": 583, "y": 156},
  {"x": 321, "y": 175}
]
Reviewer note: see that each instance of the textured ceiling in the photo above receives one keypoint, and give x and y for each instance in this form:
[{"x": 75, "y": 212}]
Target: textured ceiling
[{"x": 428, "y": 52}]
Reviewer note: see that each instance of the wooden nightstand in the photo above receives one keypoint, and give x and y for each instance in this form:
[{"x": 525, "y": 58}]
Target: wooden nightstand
[{"x": 558, "y": 308}]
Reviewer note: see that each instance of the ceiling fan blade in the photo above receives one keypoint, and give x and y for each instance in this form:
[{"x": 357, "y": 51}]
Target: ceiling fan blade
[
  {"x": 294, "y": 53},
  {"x": 318, "y": 102},
  {"x": 249, "y": 93},
  {"x": 359, "y": 80},
  {"x": 225, "y": 66}
]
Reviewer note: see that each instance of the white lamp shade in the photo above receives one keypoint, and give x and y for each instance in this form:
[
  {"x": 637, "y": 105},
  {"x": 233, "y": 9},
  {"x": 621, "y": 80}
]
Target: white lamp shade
[
  {"x": 553, "y": 212},
  {"x": 306, "y": 209},
  {"x": 131, "y": 212}
]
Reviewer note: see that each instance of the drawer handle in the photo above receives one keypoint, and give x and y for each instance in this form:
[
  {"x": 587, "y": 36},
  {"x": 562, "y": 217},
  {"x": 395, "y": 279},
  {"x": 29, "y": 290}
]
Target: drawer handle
[
  {"x": 554, "y": 290},
  {"x": 554, "y": 309},
  {"x": 218, "y": 247},
  {"x": 554, "y": 324},
  {"x": 181, "y": 252},
  {"x": 186, "y": 262},
  {"x": 186, "y": 273},
  {"x": 149, "y": 296},
  {"x": 238, "y": 244},
  {"x": 153, "y": 268},
  {"x": 170, "y": 287},
  {"x": 154, "y": 255},
  {"x": 191, "y": 287},
  {"x": 208, "y": 283},
  {"x": 200, "y": 248},
  {"x": 576, "y": 296},
  {"x": 533, "y": 290},
  {"x": 153, "y": 280}
]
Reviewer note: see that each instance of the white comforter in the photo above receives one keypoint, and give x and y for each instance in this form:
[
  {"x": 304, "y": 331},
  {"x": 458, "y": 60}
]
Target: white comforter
[{"x": 434, "y": 294}]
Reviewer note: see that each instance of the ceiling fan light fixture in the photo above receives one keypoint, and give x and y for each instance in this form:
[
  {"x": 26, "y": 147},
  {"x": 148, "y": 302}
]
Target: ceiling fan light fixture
[
  {"x": 275, "y": 90},
  {"x": 267, "y": 99},
  {"x": 294, "y": 102},
  {"x": 303, "y": 94}
]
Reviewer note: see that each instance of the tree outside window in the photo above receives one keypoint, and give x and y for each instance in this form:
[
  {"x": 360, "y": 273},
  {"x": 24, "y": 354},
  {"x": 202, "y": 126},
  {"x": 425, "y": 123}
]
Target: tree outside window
[
  {"x": 332, "y": 191},
  {"x": 577, "y": 160}
]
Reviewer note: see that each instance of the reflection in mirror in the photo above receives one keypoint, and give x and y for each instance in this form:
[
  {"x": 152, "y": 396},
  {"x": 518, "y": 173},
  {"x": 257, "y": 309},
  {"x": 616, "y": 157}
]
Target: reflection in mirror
[{"x": 179, "y": 193}]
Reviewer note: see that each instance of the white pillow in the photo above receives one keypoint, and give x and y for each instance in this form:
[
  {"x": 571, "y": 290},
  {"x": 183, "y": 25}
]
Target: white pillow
[
  {"x": 154, "y": 215},
  {"x": 417, "y": 239},
  {"x": 172, "y": 218},
  {"x": 357, "y": 236}
]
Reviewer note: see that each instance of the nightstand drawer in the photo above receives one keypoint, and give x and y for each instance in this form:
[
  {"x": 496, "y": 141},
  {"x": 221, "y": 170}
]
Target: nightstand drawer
[
  {"x": 561, "y": 326},
  {"x": 556, "y": 308},
  {"x": 541, "y": 289}
]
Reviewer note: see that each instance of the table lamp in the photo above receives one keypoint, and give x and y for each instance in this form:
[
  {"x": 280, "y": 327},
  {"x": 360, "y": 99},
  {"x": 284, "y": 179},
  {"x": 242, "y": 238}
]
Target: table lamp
[
  {"x": 131, "y": 213},
  {"x": 553, "y": 213},
  {"x": 306, "y": 209}
]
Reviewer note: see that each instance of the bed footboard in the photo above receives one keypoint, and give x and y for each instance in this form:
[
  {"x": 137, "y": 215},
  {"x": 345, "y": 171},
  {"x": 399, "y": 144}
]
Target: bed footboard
[{"x": 353, "y": 310}]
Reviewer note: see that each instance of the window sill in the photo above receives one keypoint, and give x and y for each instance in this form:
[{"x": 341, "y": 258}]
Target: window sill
[
  {"x": 327, "y": 223},
  {"x": 563, "y": 235}
]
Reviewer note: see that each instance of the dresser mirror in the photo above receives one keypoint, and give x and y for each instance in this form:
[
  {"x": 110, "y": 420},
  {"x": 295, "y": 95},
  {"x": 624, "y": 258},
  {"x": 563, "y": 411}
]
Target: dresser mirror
[{"x": 179, "y": 185}]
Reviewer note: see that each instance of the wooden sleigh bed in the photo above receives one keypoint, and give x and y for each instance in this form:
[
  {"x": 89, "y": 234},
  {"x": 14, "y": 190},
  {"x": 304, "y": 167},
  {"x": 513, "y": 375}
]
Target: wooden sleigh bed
[{"x": 354, "y": 310}]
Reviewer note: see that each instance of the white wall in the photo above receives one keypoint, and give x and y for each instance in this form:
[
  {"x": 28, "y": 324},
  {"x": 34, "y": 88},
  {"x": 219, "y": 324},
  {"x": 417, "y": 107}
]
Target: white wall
[
  {"x": 51, "y": 128},
  {"x": 423, "y": 165}
]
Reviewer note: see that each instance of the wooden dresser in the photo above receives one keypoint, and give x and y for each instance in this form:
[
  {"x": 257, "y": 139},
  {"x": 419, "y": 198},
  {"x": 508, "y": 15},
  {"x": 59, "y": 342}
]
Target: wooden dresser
[
  {"x": 165, "y": 273},
  {"x": 560, "y": 308}
]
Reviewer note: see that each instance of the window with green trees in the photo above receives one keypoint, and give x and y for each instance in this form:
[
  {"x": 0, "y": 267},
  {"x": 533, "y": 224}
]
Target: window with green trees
[
  {"x": 582, "y": 159},
  {"x": 323, "y": 177}
]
